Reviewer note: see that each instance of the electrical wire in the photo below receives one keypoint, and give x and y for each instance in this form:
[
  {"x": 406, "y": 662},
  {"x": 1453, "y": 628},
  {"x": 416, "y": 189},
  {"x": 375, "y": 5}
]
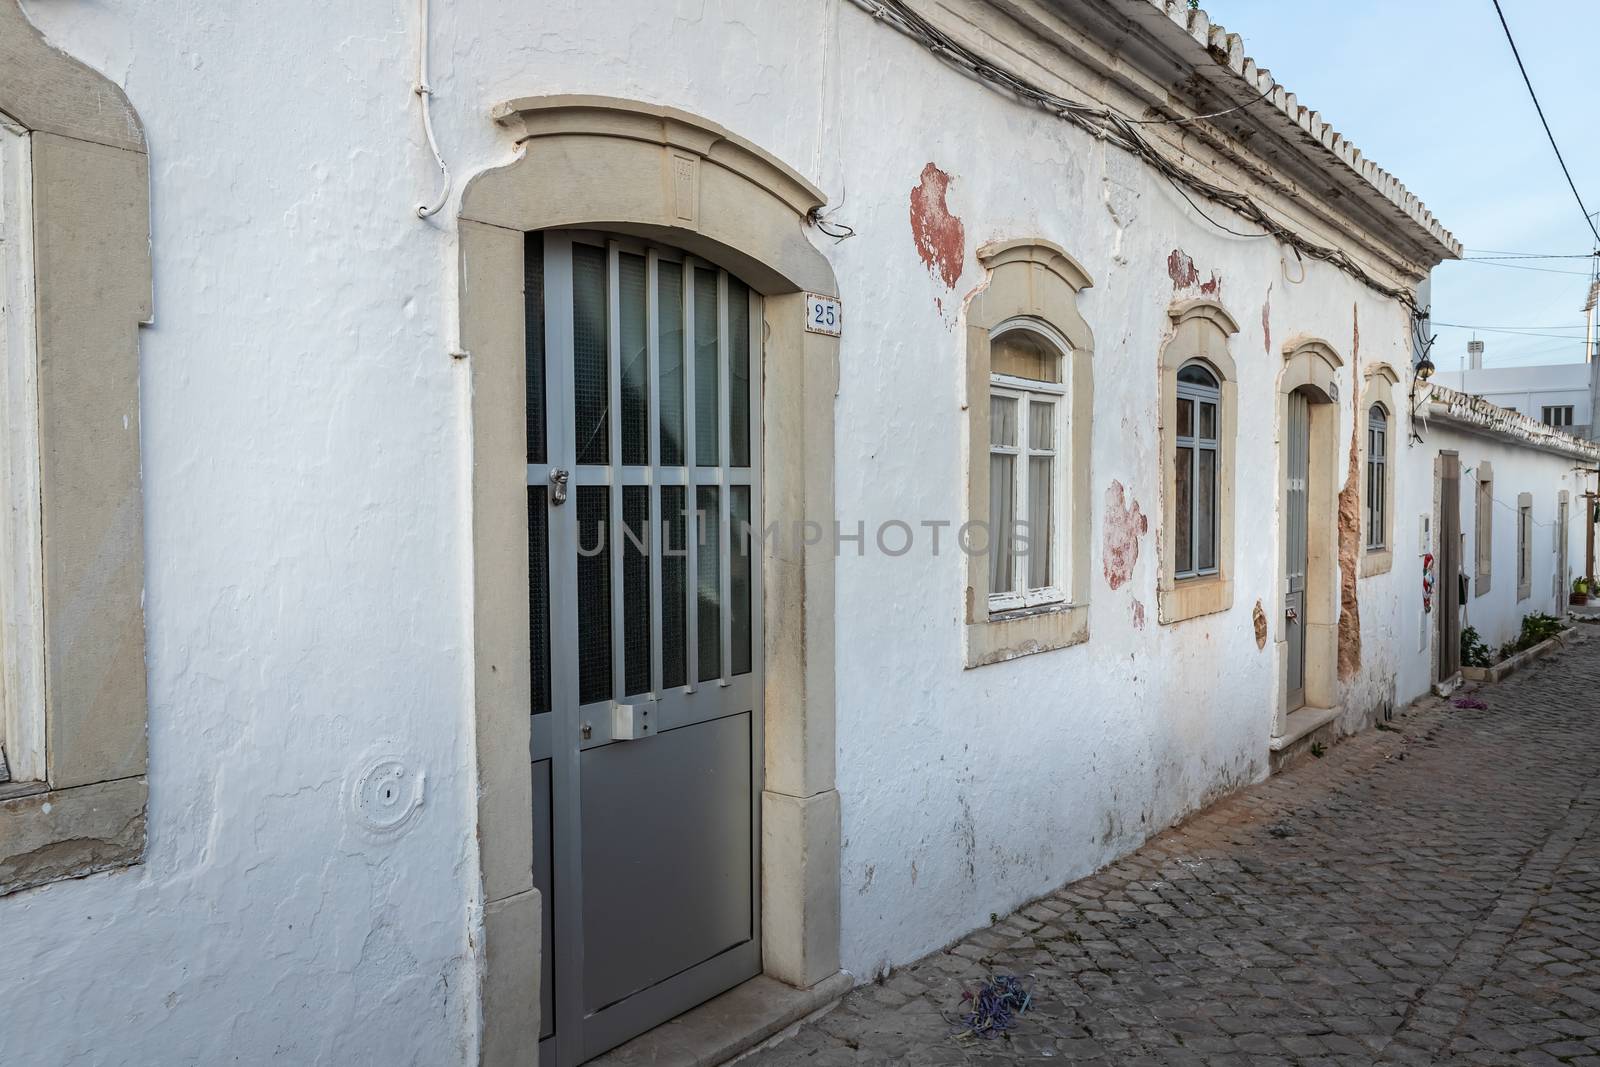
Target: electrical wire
[
  {"x": 1543, "y": 121},
  {"x": 1519, "y": 266},
  {"x": 425, "y": 92},
  {"x": 1107, "y": 125},
  {"x": 1528, "y": 255},
  {"x": 1213, "y": 115}
]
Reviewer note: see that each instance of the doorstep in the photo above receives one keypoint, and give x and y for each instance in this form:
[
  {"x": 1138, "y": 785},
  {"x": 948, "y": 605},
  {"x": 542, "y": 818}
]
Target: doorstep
[
  {"x": 725, "y": 1026},
  {"x": 1305, "y": 729},
  {"x": 1302, "y": 722}
]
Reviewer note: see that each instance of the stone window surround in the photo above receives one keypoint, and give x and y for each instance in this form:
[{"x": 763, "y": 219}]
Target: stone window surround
[
  {"x": 1524, "y": 548},
  {"x": 1312, "y": 365},
  {"x": 1029, "y": 279},
  {"x": 1380, "y": 379},
  {"x": 1200, "y": 330},
  {"x": 91, "y": 259},
  {"x": 673, "y": 177},
  {"x": 1482, "y": 528}
]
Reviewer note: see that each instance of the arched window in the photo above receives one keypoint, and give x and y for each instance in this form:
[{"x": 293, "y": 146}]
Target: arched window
[
  {"x": 1377, "y": 475},
  {"x": 1197, "y": 461},
  {"x": 1029, "y": 392},
  {"x": 1027, "y": 425}
]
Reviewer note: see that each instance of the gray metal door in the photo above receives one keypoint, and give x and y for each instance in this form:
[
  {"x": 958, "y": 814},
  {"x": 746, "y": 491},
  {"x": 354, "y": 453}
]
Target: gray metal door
[
  {"x": 644, "y": 462},
  {"x": 1297, "y": 446}
]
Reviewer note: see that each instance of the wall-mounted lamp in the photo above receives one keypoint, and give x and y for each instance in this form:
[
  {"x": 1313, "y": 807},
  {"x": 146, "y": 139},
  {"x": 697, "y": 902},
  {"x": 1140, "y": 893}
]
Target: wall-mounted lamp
[{"x": 1424, "y": 369}]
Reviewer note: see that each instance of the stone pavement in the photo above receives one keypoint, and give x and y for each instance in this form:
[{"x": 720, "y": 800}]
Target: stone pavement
[{"x": 1423, "y": 894}]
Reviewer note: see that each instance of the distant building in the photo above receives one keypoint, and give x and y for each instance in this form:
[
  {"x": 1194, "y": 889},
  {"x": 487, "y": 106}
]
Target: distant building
[{"x": 1556, "y": 394}]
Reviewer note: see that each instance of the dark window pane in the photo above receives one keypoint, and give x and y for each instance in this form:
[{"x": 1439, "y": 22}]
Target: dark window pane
[
  {"x": 635, "y": 589},
  {"x": 709, "y": 559},
  {"x": 635, "y": 359},
  {"x": 1185, "y": 417},
  {"x": 539, "y": 597},
  {"x": 591, "y": 375},
  {"x": 594, "y": 593},
  {"x": 706, "y": 408},
  {"x": 738, "y": 374},
  {"x": 1208, "y": 422},
  {"x": 1195, "y": 374},
  {"x": 1205, "y": 519},
  {"x": 1183, "y": 512},
  {"x": 674, "y": 587},
  {"x": 669, "y": 349},
  {"x": 739, "y": 577},
  {"x": 533, "y": 320}
]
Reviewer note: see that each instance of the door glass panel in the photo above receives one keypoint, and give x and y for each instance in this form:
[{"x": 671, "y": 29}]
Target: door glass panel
[
  {"x": 533, "y": 318},
  {"x": 1183, "y": 511},
  {"x": 1185, "y": 417},
  {"x": 669, "y": 350},
  {"x": 738, "y": 374},
  {"x": 594, "y": 593},
  {"x": 1208, "y": 422},
  {"x": 1206, "y": 510},
  {"x": 635, "y": 360},
  {"x": 709, "y": 563},
  {"x": 674, "y": 587},
  {"x": 1002, "y": 522},
  {"x": 636, "y": 589},
  {"x": 739, "y": 564},
  {"x": 539, "y": 597},
  {"x": 591, "y": 391},
  {"x": 706, "y": 378},
  {"x": 1040, "y": 547}
]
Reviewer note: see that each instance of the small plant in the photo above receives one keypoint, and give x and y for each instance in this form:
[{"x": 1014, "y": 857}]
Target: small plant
[
  {"x": 1318, "y": 749},
  {"x": 1581, "y": 585},
  {"x": 1474, "y": 653},
  {"x": 1536, "y": 627}
]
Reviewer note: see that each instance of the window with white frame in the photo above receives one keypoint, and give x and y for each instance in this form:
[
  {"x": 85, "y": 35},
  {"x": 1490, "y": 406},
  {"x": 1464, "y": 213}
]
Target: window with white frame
[
  {"x": 1557, "y": 415},
  {"x": 21, "y": 596},
  {"x": 1027, "y": 435},
  {"x": 1197, "y": 462},
  {"x": 1524, "y": 545},
  {"x": 1377, "y": 474}
]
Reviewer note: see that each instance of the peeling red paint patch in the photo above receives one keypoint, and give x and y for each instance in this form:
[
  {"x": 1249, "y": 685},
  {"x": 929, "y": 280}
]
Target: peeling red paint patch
[
  {"x": 1266, "y": 321},
  {"x": 1214, "y": 286},
  {"x": 1181, "y": 269},
  {"x": 940, "y": 237},
  {"x": 1138, "y": 614},
  {"x": 1124, "y": 525}
]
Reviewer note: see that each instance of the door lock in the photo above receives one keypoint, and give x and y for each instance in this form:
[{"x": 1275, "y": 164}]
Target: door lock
[
  {"x": 558, "y": 485},
  {"x": 1292, "y": 615}
]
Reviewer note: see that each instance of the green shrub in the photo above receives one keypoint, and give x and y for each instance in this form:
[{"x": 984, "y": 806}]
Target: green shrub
[
  {"x": 1536, "y": 627},
  {"x": 1474, "y": 653}
]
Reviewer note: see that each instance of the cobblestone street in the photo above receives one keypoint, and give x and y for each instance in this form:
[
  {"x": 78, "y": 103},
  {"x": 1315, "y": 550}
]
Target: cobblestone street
[{"x": 1426, "y": 893}]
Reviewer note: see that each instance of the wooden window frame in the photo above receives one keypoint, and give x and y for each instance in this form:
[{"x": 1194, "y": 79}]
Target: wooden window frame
[
  {"x": 1524, "y": 546},
  {"x": 1199, "y": 394},
  {"x": 1027, "y": 391}
]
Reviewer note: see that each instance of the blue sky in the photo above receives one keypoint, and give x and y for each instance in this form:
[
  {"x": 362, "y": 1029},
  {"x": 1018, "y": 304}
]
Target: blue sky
[{"x": 1429, "y": 90}]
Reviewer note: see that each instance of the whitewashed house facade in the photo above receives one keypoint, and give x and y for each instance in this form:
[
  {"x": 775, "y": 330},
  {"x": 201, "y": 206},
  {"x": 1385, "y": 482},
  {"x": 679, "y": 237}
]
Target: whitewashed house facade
[{"x": 338, "y": 735}]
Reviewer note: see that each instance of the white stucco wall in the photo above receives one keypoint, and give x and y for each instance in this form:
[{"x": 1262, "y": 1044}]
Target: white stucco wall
[
  {"x": 1527, "y": 389},
  {"x": 306, "y": 455}
]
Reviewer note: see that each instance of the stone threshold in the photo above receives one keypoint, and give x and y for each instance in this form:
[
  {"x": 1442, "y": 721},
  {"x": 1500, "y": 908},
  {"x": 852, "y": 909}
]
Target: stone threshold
[
  {"x": 1303, "y": 721},
  {"x": 727, "y": 1026},
  {"x": 1520, "y": 660}
]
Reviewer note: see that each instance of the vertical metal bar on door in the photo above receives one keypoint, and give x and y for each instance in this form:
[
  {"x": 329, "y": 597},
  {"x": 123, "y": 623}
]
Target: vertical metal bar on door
[
  {"x": 725, "y": 479},
  {"x": 691, "y": 496}
]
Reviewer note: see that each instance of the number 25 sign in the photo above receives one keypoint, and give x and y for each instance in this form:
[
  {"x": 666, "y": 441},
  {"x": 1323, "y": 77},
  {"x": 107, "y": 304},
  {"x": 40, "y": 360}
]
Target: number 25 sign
[{"x": 823, "y": 315}]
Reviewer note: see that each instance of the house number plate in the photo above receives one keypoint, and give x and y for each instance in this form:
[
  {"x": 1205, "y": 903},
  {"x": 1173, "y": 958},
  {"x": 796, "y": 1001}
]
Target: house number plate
[{"x": 823, "y": 315}]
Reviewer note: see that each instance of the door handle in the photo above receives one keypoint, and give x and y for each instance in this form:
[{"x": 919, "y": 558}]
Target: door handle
[
  {"x": 558, "y": 485},
  {"x": 1292, "y": 615}
]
